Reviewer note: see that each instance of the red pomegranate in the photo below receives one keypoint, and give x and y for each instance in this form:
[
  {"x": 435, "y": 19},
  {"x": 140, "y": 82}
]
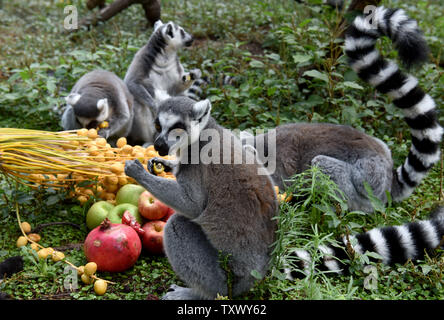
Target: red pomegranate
[{"x": 114, "y": 247}]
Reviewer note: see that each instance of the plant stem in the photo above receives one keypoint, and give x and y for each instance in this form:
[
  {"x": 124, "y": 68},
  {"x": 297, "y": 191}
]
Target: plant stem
[{"x": 40, "y": 246}]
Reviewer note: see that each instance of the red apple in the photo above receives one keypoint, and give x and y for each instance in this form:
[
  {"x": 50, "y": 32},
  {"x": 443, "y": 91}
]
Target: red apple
[
  {"x": 168, "y": 215},
  {"x": 152, "y": 239},
  {"x": 151, "y": 208}
]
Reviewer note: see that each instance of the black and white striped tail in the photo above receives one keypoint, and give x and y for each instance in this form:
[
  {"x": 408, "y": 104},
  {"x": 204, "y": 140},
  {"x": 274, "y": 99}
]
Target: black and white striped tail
[
  {"x": 395, "y": 244},
  {"x": 418, "y": 107},
  {"x": 195, "y": 92}
]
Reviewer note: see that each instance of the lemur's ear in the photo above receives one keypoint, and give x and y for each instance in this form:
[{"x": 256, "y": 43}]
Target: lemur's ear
[
  {"x": 201, "y": 109},
  {"x": 169, "y": 30},
  {"x": 72, "y": 98},
  {"x": 102, "y": 104},
  {"x": 157, "y": 24}
]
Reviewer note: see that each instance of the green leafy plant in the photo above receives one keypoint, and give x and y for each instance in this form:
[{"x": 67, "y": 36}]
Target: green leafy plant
[{"x": 288, "y": 66}]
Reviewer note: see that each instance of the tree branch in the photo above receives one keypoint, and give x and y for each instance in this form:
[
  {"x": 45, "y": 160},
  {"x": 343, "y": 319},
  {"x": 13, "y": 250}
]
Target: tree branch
[
  {"x": 43, "y": 225},
  {"x": 151, "y": 8}
]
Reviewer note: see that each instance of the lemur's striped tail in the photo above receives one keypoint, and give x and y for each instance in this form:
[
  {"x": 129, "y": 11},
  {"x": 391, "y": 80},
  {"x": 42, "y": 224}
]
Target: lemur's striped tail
[
  {"x": 395, "y": 244},
  {"x": 418, "y": 107},
  {"x": 195, "y": 92}
]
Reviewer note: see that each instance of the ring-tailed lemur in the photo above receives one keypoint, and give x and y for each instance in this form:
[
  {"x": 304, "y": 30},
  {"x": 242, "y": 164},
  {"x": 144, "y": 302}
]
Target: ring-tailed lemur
[
  {"x": 395, "y": 244},
  {"x": 98, "y": 96},
  {"x": 349, "y": 156},
  {"x": 156, "y": 74},
  {"x": 224, "y": 210}
]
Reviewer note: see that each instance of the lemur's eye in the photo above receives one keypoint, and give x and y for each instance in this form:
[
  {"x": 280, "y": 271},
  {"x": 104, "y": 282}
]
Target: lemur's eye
[
  {"x": 157, "y": 125},
  {"x": 169, "y": 31},
  {"x": 182, "y": 33}
]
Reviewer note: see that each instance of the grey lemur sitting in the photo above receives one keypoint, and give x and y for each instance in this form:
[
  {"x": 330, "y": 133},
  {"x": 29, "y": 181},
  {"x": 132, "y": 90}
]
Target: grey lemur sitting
[
  {"x": 155, "y": 74},
  {"x": 225, "y": 208},
  {"x": 351, "y": 157},
  {"x": 101, "y": 95},
  {"x": 96, "y": 97}
]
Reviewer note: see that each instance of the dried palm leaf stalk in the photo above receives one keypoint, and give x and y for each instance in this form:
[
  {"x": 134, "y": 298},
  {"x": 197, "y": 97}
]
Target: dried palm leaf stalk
[{"x": 80, "y": 160}]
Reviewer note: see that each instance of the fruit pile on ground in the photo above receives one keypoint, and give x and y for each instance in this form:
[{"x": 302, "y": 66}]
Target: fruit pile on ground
[
  {"x": 81, "y": 162},
  {"x": 135, "y": 209},
  {"x": 107, "y": 186}
]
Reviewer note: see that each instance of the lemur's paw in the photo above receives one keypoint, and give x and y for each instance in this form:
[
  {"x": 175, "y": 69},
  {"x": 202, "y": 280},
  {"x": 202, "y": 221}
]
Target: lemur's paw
[
  {"x": 104, "y": 133},
  {"x": 133, "y": 168},
  {"x": 180, "y": 293}
]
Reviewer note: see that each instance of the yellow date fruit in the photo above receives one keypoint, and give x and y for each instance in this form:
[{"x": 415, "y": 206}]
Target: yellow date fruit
[
  {"x": 121, "y": 142},
  {"x": 158, "y": 168},
  {"x": 100, "y": 287},
  {"x": 57, "y": 256},
  {"x": 43, "y": 253},
  {"x": 26, "y": 227},
  {"x": 86, "y": 279},
  {"x": 34, "y": 237},
  {"x": 81, "y": 270},
  {"x": 22, "y": 241},
  {"x": 90, "y": 268}
]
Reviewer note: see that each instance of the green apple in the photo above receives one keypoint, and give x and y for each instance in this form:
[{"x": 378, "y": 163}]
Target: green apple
[
  {"x": 97, "y": 213},
  {"x": 116, "y": 214},
  {"x": 129, "y": 193}
]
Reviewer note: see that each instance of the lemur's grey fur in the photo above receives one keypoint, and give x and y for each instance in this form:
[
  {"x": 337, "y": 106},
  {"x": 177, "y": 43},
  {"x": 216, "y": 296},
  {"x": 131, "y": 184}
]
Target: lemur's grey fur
[
  {"x": 351, "y": 157},
  {"x": 98, "y": 96},
  {"x": 347, "y": 155},
  {"x": 156, "y": 74},
  {"x": 224, "y": 210},
  {"x": 227, "y": 210}
]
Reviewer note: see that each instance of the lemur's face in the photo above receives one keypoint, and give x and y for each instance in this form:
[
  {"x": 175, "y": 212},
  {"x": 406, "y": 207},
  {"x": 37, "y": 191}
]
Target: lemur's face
[
  {"x": 176, "y": 37},
  {"x": 89, "y": 111},
  {"x": 179, "y": 123}
]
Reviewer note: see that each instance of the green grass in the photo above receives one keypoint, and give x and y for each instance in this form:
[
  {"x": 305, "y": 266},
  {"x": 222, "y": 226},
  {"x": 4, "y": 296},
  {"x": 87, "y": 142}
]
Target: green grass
[{"x": 281, "y": 54}]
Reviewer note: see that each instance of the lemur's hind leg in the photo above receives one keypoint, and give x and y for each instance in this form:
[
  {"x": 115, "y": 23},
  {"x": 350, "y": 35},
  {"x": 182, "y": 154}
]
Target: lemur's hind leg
[
  {"x": 377, "y": 172},
  {"x": 351, "y": 178},
  {"x": 194, "y": 260}
]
